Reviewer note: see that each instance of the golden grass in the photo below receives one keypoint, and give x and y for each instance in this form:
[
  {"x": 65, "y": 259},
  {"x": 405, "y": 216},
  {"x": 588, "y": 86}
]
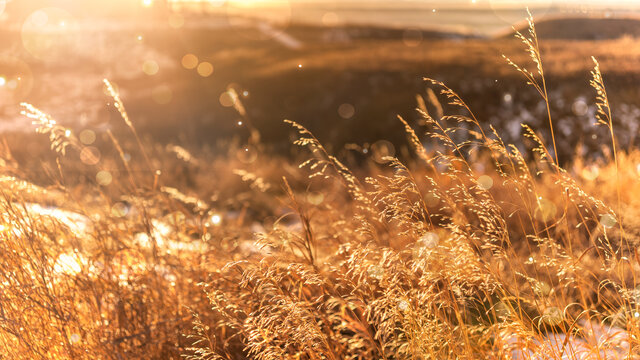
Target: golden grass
[{"x": 471, "y": 250}]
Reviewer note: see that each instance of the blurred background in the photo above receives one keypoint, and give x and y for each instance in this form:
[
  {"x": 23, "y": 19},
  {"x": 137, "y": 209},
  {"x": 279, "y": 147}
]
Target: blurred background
[{"x": 344, "y": 69}]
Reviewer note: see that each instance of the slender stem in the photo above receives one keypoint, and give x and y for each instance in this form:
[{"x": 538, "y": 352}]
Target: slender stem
[{"x": 546, "y": 100}]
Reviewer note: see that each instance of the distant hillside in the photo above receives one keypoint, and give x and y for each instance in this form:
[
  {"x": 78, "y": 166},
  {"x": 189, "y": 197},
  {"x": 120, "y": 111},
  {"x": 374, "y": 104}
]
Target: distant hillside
[
  {"x": 584, "y": 28},
  {"x": 370, "y": 32}
]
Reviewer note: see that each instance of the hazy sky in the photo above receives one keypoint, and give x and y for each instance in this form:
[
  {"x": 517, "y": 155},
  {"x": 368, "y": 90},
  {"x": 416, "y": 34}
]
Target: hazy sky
[
  {"x": 455, "y": 3},
  {"x": 517, "y": 3}
]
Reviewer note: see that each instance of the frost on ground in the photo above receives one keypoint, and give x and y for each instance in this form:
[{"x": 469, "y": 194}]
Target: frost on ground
[{"x": 592, "y": 341}]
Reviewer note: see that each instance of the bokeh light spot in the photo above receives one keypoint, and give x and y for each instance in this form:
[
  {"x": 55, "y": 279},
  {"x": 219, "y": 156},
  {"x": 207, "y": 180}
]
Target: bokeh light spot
[
  {"x": 189, "y": 61},
  {"x": 248, "y": 155},
  {"x": 227, "y": 100},
  {"x": 542, "y": 289},
  {"x": 119, "y": 209},
  {"x": 381, "y": 150},
  {"x": 580, "y": 107},
  {"x": 590, "y": 173},
  {"x": 431, "y": 199},
  {"x": 485, "y": 182},
  {"x": 90, "y": 155},
  {"x": 315, "y": 198},
  {"x": 150, "y": 67},
  {"x": 412, "y": 37},
  {"x": 552, "y": 316},
  {"x": 346, "y": 111},
  {"x": 104, "y": 178},
  {"x": 205, "y": 69},
  {"x": 608, "y": 220},
  {"x": 87, "y": 137}
]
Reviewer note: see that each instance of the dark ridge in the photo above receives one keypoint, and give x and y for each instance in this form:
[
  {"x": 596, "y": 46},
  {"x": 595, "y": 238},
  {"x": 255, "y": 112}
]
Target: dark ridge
[
  {"x": 582, "y": 28},
  {"x": 359, "y": 32}
]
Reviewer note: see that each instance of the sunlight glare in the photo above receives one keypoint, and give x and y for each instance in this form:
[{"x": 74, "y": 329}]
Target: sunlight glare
[
  {"x": 68, "y": 264},
  {"x": 216, "y": 219}
]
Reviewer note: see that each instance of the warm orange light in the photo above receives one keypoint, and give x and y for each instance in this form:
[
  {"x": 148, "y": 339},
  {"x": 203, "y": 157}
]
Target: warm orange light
[
  {"x": 189, "y": 61},
  {"x": 205, "y": 69}
]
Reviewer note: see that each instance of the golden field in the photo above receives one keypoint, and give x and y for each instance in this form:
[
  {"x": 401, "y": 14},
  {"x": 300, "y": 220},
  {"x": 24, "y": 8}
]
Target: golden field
[{"x": 459, "y": 245}]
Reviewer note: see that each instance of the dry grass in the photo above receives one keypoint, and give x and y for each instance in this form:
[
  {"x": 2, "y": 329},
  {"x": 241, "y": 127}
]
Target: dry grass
[{"x": 471, "y": 250}]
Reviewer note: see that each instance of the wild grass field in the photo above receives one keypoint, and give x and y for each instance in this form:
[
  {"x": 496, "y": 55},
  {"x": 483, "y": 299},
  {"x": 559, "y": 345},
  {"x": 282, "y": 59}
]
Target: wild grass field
[{"x": 464, "y": 246}]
